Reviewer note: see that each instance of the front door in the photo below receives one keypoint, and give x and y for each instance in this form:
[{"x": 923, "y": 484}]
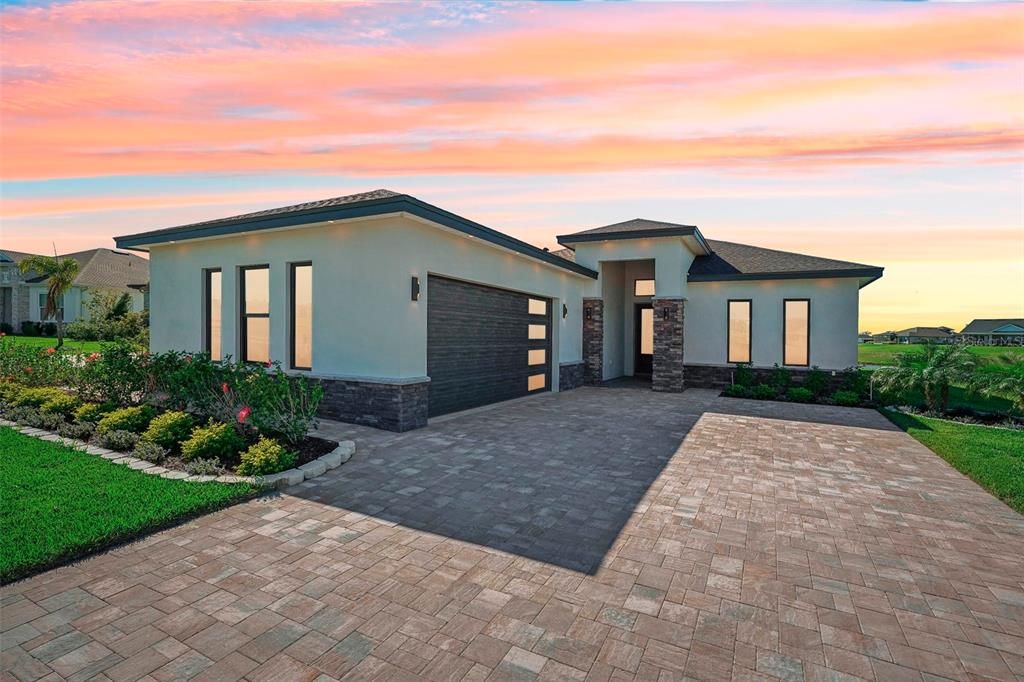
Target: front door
[{"x": 643, "y": 340}]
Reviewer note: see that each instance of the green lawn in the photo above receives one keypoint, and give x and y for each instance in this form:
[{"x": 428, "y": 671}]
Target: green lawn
[
  {"x": 991, "y": 457},
  {"x": 51, "y": 341},
  {"x": 885, "y": 353},
  {"x": 59, "y": 504}
]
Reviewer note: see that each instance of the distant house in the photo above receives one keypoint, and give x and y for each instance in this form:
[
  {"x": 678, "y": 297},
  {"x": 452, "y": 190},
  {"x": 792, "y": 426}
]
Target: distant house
[
  {"x": 23, "y": 296},
  {"x": 1006, "y": 332},
  {"x": 865, "y": 337},
  {"x": 926, "y": 335},
  {"x": 884, "y": 337}
]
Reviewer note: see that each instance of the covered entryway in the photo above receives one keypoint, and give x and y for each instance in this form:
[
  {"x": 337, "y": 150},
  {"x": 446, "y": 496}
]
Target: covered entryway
[{"x": 484, "y": 345}]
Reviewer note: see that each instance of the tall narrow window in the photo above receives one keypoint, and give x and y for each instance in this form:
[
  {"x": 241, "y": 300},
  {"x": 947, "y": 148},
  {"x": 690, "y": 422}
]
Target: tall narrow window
[
  {"x": 738, "y": 331},
  {"x": 796, "y": 331},
  {"x": 211, "y": 312},
  {"x": 302, "y": 315},
  {"x": 255, "y": 321}
]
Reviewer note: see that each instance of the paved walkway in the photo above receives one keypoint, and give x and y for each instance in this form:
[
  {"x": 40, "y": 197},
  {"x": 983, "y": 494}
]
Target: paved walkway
[{"x": 598, "y": 534}]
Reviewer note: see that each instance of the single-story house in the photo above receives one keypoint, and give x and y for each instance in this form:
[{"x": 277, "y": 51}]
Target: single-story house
[
  {"x": 884, "y": 337},
  {"x": 407, "y": 311},
  {"x": 926, "y": 335},
  {"x": 865, "y": 337},
  {"x": 23, "y": 295},
  {"x": 1005, "y": 332}
]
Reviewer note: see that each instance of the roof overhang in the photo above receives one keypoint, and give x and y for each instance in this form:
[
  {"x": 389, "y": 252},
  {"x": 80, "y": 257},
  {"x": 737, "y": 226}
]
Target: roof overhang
[
  {"x": 865, "y": 275},
  {"x": 690, "y": 234},
  {"x": 143, "y": 241}
]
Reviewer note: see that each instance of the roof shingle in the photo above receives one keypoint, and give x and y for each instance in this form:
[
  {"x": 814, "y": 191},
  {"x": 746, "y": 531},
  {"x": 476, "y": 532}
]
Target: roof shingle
[
  {"x": 729, "y": 260},
  {"x": 986, "y": 326}
]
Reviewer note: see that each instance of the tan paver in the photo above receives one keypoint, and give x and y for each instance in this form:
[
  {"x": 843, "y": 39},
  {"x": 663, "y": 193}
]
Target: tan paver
[{"x": 598, "y": 534}]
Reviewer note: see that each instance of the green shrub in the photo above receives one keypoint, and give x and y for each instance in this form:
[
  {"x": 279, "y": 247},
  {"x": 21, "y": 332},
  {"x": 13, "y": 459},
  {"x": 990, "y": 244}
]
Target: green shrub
[
  {"x": 780, "y": 379},
  {"x": 816, "y": 381},
  {"x": 743, "y": 376},
  {"x": 134, "y": 419},
  {"x": 64, "y": 405},
  {"x": 205, "y": 467},
  {"x": 21, "y": 414},
  {"x": 29, "y": 328},
  {"x": 9, "y": 391},
  {"x": 82, "y": 431},
  {"x": 216, "y": 439},
  {"x": 122, "y": 441},
  {"x": 799, "y": 394},
  {"x": 92, "y": 412},
  {"x": 764, "y": 392},
  {"x": 169, "y": 429},
  {"x": 737, "y": 391},
  {"x": 846, "y": 398},
  {"x": 48, "y": 422},
  {"x": 120, "y": 375},
  {"x": 35, "y": 397},
  {"x": 149, "y": 451},
  {"x": 264, "y": 457}
]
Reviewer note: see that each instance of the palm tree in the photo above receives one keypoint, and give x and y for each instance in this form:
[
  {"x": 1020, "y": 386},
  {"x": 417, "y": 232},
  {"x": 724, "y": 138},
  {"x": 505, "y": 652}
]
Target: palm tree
[
  {"x": 1005, "y": 380},
  {"x": 60, "y": 274},
  {"x": 932, "y": 371}
]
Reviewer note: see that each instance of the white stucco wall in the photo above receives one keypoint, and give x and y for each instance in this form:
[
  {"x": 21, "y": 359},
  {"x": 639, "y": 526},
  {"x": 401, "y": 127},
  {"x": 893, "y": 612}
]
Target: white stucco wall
[
  {"x": 364, "y": 321},
  {"x": 833, "y": 328},
  {"x": 612, "y": 290},
  {"x": 672, "y": 260}
]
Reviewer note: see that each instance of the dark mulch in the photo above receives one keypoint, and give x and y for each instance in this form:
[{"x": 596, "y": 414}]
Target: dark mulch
[{"x": 314, "y": 447}]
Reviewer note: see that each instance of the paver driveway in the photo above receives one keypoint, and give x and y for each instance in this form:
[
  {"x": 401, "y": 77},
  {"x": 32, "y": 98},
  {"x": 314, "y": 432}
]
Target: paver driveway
[{"x": 713, "y": 538}]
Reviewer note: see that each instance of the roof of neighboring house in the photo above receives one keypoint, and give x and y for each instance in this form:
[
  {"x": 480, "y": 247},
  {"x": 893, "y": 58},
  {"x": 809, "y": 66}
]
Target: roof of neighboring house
[
  {"x": 8, "y": 256},
  {"x": 100, "y": 268},
  {"x": 932, "y": 332},
  {"x": 365, "y": 204},
  {"x": 730, "y": 261},
  {"x": 995, "y": 326}
]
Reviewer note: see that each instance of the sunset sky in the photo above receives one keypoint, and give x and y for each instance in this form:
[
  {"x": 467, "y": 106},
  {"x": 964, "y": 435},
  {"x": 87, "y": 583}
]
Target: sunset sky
[{"x": 883, "y": 133}]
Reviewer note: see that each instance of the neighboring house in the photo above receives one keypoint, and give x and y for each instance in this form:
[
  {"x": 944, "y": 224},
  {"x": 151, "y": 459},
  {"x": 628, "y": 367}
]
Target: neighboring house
[
  {"x": 865, "y": 337},
  {"x": 1006, "y": 332},
  {"x": 884, "y": 337},
  {"x": 406, "y": 311},
  {"x": 925, "y": 335},
  {"x": 23, "y": 296}
]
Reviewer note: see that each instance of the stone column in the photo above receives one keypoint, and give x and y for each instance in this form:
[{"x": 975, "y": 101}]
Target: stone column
[
  {"x": 668, "y": 344},
  {"x": 593, "y": 341}
]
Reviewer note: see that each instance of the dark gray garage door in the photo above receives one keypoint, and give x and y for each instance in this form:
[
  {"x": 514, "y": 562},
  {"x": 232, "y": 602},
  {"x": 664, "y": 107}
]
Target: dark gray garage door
[{"x": 484, "y": 345}]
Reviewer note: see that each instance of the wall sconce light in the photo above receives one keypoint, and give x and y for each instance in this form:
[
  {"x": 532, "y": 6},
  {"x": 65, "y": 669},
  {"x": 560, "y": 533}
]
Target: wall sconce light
[
  {"x": 415, "y": 288},
  {"x": 565, "y": 311},
  {"x": 587, "y": 312}
]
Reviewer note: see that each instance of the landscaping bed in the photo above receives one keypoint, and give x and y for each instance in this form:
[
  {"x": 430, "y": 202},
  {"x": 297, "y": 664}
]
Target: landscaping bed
[
  {"x": 60, "y": 504},
  {"x": 990, "y": 456},
  {"x": 183, "y": 412},
  {"x": 812, "y": 388}
]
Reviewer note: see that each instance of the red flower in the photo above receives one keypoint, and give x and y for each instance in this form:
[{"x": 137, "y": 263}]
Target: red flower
[
  {"x": 28, "y": 369},
  {"x": 93, "y": 357},
  {"x": 51, "y": 351},
  {"x": 224, "y": 388},
  {"x": 268, "y": 364},
  {"x": 243, "y": 414}
]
